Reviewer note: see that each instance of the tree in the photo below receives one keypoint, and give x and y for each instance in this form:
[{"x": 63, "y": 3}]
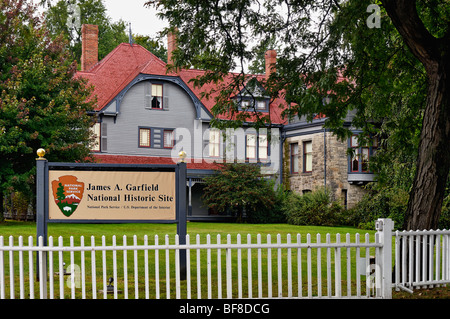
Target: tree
[
  {"x": 67, "y": 17},
  {"x": 153, "y": 45},
  {"x": 239, "y": 187},
  {"x": 42, "y": 103},
  {"x": 357, "y": 53},
  {"x": 433, "y": 161},
  {"x": 60, "y": 193}
]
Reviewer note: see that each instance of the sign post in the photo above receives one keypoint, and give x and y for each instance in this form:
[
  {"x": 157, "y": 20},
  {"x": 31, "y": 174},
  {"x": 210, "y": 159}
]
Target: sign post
[
  {"x": 182, "y": 213},
  {"x": 41, "y": 225}
]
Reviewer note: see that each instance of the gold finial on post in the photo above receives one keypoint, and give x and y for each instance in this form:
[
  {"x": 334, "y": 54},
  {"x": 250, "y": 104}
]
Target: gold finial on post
[
  {"x": 182, "y": 156},
  {"x": 41, "y": 153}
]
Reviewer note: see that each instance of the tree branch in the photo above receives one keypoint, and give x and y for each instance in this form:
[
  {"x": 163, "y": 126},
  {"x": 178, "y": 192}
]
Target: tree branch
[{"x": 422, "y": 44}]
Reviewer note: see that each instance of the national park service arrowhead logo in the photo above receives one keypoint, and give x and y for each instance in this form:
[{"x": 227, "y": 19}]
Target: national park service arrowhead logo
[{"x": 67, "y": 192}]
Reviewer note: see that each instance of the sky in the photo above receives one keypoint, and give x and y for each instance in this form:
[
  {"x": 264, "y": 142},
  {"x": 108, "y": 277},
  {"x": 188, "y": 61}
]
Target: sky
[{"x": 143, "y": 19}]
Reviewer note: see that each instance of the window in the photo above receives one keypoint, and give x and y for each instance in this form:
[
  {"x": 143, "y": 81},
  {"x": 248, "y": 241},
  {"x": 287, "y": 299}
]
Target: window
[
  {"x": 214, "y": 143},
  {"x": 294, "y": 158},
  {"x": 157, "y": 96},
  {"x": 261, "y": 105},
  {"x": 355, "y": 153},
  {"x": 95, "y": 130},
  {"x": 144, "y": 137},
  {"x": 260, "y": 148},
  {"x": 253, "y": 103},
  {"x": 307, "y": 157},
  {"x": 168, "y": 139},
  {"x": 359, "y": 161},
  {"x": 245, "y": 104},
  {"x": 365, "y": 159},
  {"x": 345, "y": 198},
  {"x": 251, "y": 146}
]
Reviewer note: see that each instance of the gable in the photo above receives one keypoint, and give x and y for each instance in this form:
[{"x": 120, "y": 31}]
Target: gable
[{"x": 129, "y": 64}]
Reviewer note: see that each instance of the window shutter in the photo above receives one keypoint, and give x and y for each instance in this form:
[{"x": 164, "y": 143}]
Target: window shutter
[
  {"x": 148, "y": 95},
  {"x": 166, "y": 97},
  {"x": 104, "y": 135}
]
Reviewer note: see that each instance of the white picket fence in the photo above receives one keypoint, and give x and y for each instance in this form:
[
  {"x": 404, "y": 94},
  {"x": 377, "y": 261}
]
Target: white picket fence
[
  {"x": 230, "y": 267},
  {"x": 422, "y": 259}
]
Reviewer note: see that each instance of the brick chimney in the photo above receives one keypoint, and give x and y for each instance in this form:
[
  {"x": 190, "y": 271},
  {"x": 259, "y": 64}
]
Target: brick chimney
[
  {"x": 89, "y": 46},
  {"x": 171, "y": 46},
  {"x": 271, "y": 61}
]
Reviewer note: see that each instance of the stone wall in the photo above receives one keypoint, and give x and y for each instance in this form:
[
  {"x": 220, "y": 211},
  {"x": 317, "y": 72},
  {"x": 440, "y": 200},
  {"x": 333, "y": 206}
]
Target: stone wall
[{"x": 336, "y": 168}]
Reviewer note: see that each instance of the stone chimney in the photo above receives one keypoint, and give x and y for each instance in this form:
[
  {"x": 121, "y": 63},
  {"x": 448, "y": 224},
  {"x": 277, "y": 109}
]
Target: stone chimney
[
  {"x": 271, "y": 61},
  {"x": 89, "y": 46},
  {"x": 171, "y": 46}
]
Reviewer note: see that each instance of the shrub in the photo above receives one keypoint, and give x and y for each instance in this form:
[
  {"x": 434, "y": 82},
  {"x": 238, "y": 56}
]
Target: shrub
[
  {"x": 385, "y": 203},
  {"x": 241, "y": 190},
  {"x": 315, "y": 208}
]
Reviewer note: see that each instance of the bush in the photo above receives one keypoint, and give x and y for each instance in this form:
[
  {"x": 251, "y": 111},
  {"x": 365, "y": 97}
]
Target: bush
[
  {"x": 240, "y": 190},
  {"x": 385, "y": 203},
  {"x": 444, "y": 221},
  {"x": 315, "y": 208},
  {"x": 270, "y": 214}
]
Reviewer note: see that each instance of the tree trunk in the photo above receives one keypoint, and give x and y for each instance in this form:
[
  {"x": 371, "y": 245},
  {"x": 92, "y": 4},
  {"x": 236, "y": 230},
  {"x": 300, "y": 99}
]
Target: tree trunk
[{"x": 433, "y": 161}]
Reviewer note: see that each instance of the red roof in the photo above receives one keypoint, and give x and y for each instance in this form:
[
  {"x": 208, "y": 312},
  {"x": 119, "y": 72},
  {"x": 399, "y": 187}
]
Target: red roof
[{"x": 113, "y": 73}]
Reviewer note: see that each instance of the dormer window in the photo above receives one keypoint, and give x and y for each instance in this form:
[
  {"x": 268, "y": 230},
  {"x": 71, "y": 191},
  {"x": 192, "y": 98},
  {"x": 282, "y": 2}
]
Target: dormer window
[
  {"x": 253, "y": 104},
  {"x": 154, "y": 97},
  {"x": 157, "y": 96},
  {"x": 253, "y": 97},
  {"x": 245, "y": 104},
  {"x": 261, "y": 105}
]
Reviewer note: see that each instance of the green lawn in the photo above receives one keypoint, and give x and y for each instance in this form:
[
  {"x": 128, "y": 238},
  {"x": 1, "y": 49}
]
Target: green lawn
[{"x": 13, "y": 228}]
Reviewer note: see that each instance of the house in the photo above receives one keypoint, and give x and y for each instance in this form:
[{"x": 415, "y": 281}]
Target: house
[{"x": 147, "y": 115}]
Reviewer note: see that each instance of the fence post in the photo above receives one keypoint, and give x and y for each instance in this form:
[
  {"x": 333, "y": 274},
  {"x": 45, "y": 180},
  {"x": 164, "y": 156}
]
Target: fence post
[{"x": 384, "y": 226}]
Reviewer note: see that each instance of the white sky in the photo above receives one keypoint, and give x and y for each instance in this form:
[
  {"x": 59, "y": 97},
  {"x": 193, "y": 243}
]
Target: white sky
[{"x": 143, "y": 19}]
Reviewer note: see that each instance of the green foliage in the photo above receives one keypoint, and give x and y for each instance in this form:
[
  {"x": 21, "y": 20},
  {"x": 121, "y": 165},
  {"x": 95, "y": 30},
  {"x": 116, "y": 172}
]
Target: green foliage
[
  {"x": 375, "y": 72},
  {"x": 42, "y": 104},
  {"x": 313, "y": 208},
  {"x": 66, "y": 18},
  {"x": 385, "y": 203},
  {"x": 444, "y": 222},
  {"x": 152, "y": 45},
  {"x": 238, "y": 189}
]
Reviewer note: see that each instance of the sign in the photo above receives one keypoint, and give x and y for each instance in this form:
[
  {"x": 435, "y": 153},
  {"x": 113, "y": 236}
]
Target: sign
[{"x": 112, "y": 195}]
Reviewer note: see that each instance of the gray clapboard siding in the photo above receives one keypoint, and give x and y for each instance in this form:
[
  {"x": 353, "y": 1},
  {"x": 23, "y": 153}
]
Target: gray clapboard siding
[{"x": 123, "y": 134}]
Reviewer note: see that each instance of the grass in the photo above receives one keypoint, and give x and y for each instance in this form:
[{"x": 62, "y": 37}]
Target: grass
[{"x": 198, "y": 276}]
